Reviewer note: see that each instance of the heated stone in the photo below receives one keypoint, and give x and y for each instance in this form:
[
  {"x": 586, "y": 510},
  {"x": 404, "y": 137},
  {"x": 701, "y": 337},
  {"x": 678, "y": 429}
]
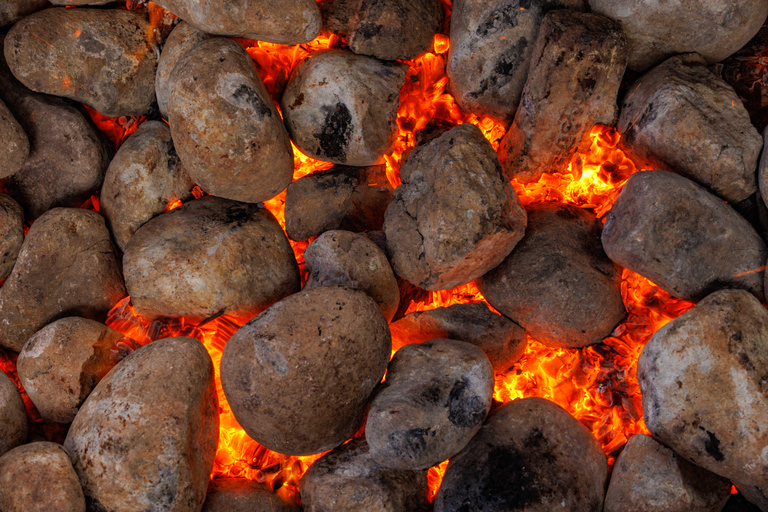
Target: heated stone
[
  {"x": 13, "y": 10},
  {"x": 310, "y": 362},
  {"x": 762, "y": 170},
  {"x": 341, "y": 107},
  {"x": 689, "y": 242},
  {"x": 576, "y": 70},
  {"x": 183, "y": 39},
  {"x": 38, "y": 477},
  {"x": 243, "y": 495},
  {"x": 650, "y": 477},
  {"x": 225, "y": 126},
  {"x": 757, "y": 496},
  {"x": 11, "y": 234},
  {"x": 558, "y": 283},
  {"x": 13, "y": 416},
  {"x": 657, "y": 30},
  {"x": 101, "y": 57},
  {"x": 66, "y": 267},
  {"x": 530, "y": 455},
  {"x": 350, "y": 198},
  {"x": 14, "y": 143},
  {"x": 208, "y": 257},
  {"x": 349, "y": 480},
  {"x": 455, "y": 217},
  {"x": 143, "y": 180},
  {"x": 682, "y": 118},
  {"x": 702, "y": 380}
]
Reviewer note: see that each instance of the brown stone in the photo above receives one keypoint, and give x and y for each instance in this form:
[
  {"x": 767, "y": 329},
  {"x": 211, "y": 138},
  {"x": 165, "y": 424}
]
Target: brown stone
[
  {"x": 757, "y": 496},
  {"x": 182, "y": 40},
  {"x": 13, "y": 416},
  {"x": 13, "y": 10},
  {"x": 11, "y": 234},
  {"x": 14, "y": 143},
  {"x": 243, "y": 495}
]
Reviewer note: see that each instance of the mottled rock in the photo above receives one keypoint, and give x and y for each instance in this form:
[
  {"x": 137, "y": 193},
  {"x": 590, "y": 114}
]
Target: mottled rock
[
  {"x": 208, "y": 257},
  {"x": 11, "y": 234},
  {"x": 300, "y": 375},
  {"x": 689, "y": 242},
  {"x": 702, "y": 380},
  {"x": 14, "y": 143},
  {"x": 225, "y": 126},
  {"x": 341, "y": 107},
  {"x": 531, "y": 455},
  {"x": 182, "y": 40},
  {"x": 349, "y": 480},
  {"x": 13, "y": 10},
  {"x": 66, "y": 267},
  {"x": 145, "y": 438},
  {"x": 38, "y": 477},
  {"x": 657, "y": 30},
  {"x": 650, "y": 477},
  {"x": 681, "y": 117},
  {"x": 243, "y": 495},
  {"x": 13, "y": 416},
  {"x": 349, "y": 198},
  {"x": 558, "y": 283},
  {"x": 455, "y": 217},
  {"x": 576, "y": 70},
  {"x": 143, "y": 180}
]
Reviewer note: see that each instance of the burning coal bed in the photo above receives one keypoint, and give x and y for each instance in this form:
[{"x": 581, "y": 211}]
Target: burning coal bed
[{"x": 383, "y": 256}]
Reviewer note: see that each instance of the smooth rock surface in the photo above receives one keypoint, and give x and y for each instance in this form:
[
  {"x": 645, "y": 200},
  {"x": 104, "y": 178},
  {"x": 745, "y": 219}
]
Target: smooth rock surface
[
  {"x": 243, "y": 495},
  {"x": 14, "y": 143},
  {"x": 11, "y": 234},
  {"x": 13, "y": 415},
  {"x": 182, "y": 39},
  {"x": 13, "y": 10}
]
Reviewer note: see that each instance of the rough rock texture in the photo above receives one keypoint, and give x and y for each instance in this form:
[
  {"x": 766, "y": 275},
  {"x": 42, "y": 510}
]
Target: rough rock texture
[
  {"x": 349, "y": 259},
  {"x": 349, "y": 480},
  {"x": 14, "y": 143},
  {"x": 762, "y": 170},
  {"x": 455, "y": 217},
  {"x": 682, "y": 118},
  {"x": 61, "y": 364},
  {"x": 558, "y": 283},
  {"x": 13, "y": 416},
  {"x": 650, "y": 477},
  {"x": 100, "y": 57},
  {"x": 490, "y": 53},
  {"x": 531, "y": 455},
  {"x": 576, "y": 70},
  {"x": 702, "y": 379},
  {"x": 38, "y": 477},
  {"x": 182, "y": 40},
  {"x": 146, "y": 437},
  {"x": 274, "y": 21},
  {"x": 350, "y": 198},
  {"x": 434, "y": 400},
  {"x": 11, "y": 234},
  {"x": 657, "y": 30},
  {"x": 225, "y": 126},
  {"x": 502, "y": 340},
  {"x": 341, "y": 107},
  {"x": 143, "y": 180},
  {"x": 207, "y": 257},
  {"x": 243, "y": 495},
  {"x": 300, "y": 375},
  {"x": 13, "y": 10},
  {"x": 689, "y": 242},
  {"x": 66, "y": 267}
]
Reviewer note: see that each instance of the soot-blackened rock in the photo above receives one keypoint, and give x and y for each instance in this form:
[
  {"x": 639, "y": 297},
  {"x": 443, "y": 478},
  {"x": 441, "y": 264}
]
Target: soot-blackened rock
[
  {"x": 182, "y": 40},
  {"x": 244, "y": 495},
  {"x": 14, "y": 143},
  {"x": 702, "y": 377},
  {"x": 13, "y": 10},
  {"x": 681, "y": 117},
  {"x": 689, "y": 242},
  {"x": 530, "y": 456},
  {"x": 558, "y": 283},
  {"x": 341, "y": 107},
  {"x": 11, "y": 234},
  {"x": 13, "y": 415},
  {"x": 576, "y": 70},
  {"x": 436, "y": 397}
]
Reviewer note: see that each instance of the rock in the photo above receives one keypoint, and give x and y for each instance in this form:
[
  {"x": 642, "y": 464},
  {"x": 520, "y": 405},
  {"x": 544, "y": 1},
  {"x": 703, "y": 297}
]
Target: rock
[
  {"x": 762, "y": 171},
  {"x": 682, "y": 118},
  {"x": 738, "y": 503},
  {"x": 61, "y": 364},
  {"x": 143, "y": 180},
  {"x": 66, "y": 267},
  {"x": 338, "y": 15},
  {"x": 13, "y": 416},
  {"x": 502, "y": 340},
  {"x": 146, "y": 436},
  {"x": 490, "y": 52},
  {"x": 342, "y": 258},
  {"x": 455, "y": 217},
  {"x": 38, "y": 477},
  {"x": 434, "y": 400},
  {"x": 558, "y": 283},
  {"x": 14, "y": 143},
  {"x": 310, "y": 362},
  {"x": 702, "y": 382},
  {"x": 681, "y": 237},
  {"x": 530, "y": 455},
  {"x": 349, "y": 480},
  {"x": 341, "y": 107},
  {"x": 243, "y": 495},
  {"x": 281, "y": 21},
  {"x": 576, "y": 70},
  {"x": 225, "y": 126},
  {"x": 657, "y": 30},
  {"x": 105, "y": 58},
  {"x": 13, "y": 10},
  {"x": 11, "y": 234},
  {"x": 649, "y": 476},
  {"x": 183, "y": 39},
  {"x": 350, "y": 198},
  {"x": 208, "y": 257},
  {"x": 757, "y": 496}
]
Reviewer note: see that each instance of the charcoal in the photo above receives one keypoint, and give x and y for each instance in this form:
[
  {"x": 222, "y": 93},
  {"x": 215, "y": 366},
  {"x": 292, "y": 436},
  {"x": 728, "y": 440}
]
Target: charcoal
[
  {"x": 11, "y": 234},
  {"x": 14, "y": 143},
  {"x": 243, "y": 495},
  {"x": 13, "y": 416},
  {"x": 13, "y": 10},
  {"x": 183, "y": 39}
]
